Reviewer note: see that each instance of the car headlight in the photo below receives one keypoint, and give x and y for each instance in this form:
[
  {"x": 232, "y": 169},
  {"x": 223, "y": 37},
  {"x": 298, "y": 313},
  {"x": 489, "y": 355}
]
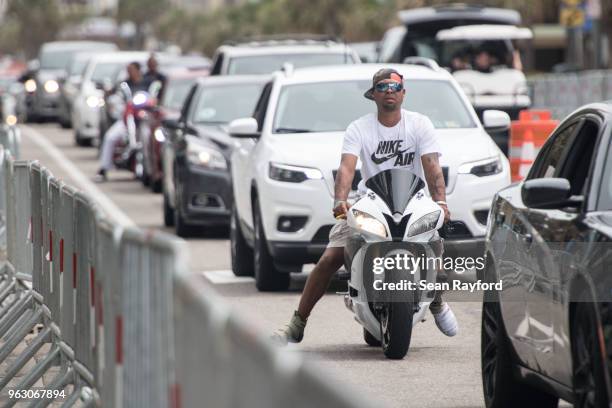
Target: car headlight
[
  {"x": 51, "y": 86},
  {"x": 369, "y": 224},
  {"x": 293, "y": 174},
  {"x": 481, "y": 168},
  {"x": 30, "y": 85},
  {"x": 424, "y": 224},
  {"x": 94, "y": 101},
  {"x": 205, "y": 157},
  {"x": 159, "y": 135}
]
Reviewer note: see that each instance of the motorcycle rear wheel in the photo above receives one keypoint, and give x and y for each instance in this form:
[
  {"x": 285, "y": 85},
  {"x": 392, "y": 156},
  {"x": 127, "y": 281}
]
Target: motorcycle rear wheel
[{"x": 396, "y": 328}]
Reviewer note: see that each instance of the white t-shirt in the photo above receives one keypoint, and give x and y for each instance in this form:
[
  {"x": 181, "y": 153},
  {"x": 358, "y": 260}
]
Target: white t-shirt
[{"x": 382, "y": 148}]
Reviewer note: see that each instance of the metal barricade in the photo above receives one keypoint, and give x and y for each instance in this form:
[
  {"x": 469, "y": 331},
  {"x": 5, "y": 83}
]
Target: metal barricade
[
  {"x": 67, "y": 265},
  {"x": 21, "y": 190},
  {"x": 35, "y": 228},
  {"x": 84, "y": 242},
  {"x": 145, "y": 260}
]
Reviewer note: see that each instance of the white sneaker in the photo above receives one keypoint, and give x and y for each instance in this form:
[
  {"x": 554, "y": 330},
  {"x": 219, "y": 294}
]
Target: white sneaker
[{"x": 446, "y": 321}]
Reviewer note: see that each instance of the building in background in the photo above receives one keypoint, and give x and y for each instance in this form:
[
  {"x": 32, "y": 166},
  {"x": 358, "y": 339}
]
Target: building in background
[{"x": 204, "y": 5}]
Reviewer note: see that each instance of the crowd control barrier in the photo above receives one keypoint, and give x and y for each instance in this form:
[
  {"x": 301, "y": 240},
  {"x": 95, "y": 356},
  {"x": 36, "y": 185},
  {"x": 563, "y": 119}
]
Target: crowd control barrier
[
  {"x": 111, "y": 316},
  {"x": 562, "y": 93}
]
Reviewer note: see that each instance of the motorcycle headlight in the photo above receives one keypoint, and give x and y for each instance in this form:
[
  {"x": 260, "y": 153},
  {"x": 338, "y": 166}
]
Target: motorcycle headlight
[
  {"x": 30, "y": 85},
  {"x": 94, "y": 101},
  {"x": 424, "y": 224},
  {"x": 293, "y": 174},
  {"x": 11, "y": 120},
  {"x": 205, "y": 157},
  {"x": 369, "y": 224},
  {"x": 51, "y": 86},
  {"x": 481, "y": 168},
  {"x": 159, "y": 135}
]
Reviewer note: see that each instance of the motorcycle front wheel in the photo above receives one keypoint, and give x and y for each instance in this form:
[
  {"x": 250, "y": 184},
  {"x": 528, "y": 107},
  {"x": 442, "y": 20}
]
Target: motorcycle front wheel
[{"x": 396, "y": 328}]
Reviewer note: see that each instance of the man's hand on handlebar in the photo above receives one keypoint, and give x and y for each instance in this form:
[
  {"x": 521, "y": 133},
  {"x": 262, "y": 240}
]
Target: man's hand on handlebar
[{"x": 340, "y": 209}]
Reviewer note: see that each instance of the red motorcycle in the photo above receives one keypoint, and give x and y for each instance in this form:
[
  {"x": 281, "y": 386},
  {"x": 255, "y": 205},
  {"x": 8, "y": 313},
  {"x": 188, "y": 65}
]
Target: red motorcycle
[{"x": 127, "y": 154}]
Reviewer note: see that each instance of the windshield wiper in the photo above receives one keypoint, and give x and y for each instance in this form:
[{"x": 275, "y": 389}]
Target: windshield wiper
[{"x": 291, "y": 130}]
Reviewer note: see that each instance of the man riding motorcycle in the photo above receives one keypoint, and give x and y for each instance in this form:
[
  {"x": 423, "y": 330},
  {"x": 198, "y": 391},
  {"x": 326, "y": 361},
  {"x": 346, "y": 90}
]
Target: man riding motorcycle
[
  {"x": 118, "y": 130},
  {"x": 392, "y": 138}
]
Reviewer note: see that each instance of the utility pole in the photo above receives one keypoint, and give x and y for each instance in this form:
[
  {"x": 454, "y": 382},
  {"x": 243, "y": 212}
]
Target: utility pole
[
  {"x": 572, "y": 16},
  {"x": 593, "y": 12}
]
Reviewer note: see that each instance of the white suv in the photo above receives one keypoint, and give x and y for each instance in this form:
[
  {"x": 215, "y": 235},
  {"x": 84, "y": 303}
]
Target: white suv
[
  {"x": 284, "y": 166},
  {"x": 267, "y": 56}
]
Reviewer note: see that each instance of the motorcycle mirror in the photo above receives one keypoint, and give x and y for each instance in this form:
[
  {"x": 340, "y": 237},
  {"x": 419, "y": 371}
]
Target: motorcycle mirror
[
  {"x": 154, "y": 88},
  {"x": 125, "y": 90}
]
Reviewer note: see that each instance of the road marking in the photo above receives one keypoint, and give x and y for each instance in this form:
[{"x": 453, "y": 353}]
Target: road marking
[
  {"x": 225, "y": 276},
  {"x": 82, "y": 181}
]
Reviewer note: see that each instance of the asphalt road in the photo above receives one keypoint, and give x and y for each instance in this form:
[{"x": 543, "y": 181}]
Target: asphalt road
[{"x": 438, "y": 371}]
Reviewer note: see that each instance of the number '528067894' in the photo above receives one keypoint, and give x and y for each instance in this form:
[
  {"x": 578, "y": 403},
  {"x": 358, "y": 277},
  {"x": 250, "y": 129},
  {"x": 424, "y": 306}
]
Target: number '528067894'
[{"x": 36, "y": 394}]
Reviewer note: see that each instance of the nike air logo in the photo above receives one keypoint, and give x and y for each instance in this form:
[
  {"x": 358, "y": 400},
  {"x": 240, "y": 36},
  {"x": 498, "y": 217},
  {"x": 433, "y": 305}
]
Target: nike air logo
[{"x": 380, "y": 160}]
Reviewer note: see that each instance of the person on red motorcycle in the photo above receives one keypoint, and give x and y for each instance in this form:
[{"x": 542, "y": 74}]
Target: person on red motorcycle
[{"x": 118, "y": 130}]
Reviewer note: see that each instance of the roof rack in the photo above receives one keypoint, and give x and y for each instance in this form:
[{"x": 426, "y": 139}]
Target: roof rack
[
  {"x": 283, "y": 39},
  {"x": 422, "y": 61}
]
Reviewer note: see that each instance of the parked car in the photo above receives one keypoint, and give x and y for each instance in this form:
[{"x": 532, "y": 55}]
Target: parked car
[
  {"x": 99, "y": 77},
  {"x": 268, "y": 55},
  {"x": 71, "y": 85},
  {"x": 546, "y": 334},
  {"x": 43, "y": 86},
  {"x": 177, "y": 86},
  {"x": 196, "y": 157},
  {"x": 283, "y": 171}
]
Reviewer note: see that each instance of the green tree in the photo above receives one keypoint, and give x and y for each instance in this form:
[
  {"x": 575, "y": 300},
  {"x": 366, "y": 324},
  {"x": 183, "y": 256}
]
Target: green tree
[
  {"x": 31, "y": 23},
  {"x": 142, "y": 13}
]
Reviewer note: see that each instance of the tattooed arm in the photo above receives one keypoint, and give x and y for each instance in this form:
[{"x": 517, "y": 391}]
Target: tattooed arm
[
  {"x": 435, "y": 180},
  {"x": 344, "y": 179}
]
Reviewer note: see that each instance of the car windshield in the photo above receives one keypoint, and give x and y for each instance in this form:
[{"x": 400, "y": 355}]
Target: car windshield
[
  {"x": 176, "y": 91},
  {"x": 55, "y": 59},
  {"x": 106, "y": 70},
  {"x": 78, "y": 66},
  {"x": 314, "y": 107},
  {"x": 222, "y": 104},
  {"x": 265, "y": 64},
  {"x": 395, "y": 187}
]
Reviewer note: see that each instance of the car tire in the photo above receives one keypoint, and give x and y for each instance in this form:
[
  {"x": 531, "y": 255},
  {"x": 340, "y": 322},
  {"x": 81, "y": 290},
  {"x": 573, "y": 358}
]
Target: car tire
[
  {"x": 267, "y": 277},
  {"x": 80, "y": 141},
  {"x": 156, "y": 186},
  {"x": 181, "y": 228},
  {"x": 500, "y": 387},
  {"x": 65, "y": 124},
  {"x": 168, "y": 212},
  {"x": 589, "y": 372},
  {"x": 241, "y": 252},
  {"x": 370, "y": 339}
]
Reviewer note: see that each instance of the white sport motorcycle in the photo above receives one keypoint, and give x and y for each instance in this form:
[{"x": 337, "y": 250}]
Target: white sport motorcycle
[{"x": 393, "y": 241}]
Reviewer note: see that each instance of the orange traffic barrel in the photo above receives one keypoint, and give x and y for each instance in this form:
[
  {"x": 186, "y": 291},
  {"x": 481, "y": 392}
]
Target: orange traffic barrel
[{"x": 527, "y": 135}]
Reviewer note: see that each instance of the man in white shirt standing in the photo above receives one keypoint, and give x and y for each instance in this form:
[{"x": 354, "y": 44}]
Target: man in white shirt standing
[{"x": 390, "y": 138}]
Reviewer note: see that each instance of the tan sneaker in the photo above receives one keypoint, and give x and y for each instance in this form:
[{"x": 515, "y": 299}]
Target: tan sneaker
[{"x": 293, "y": 332}]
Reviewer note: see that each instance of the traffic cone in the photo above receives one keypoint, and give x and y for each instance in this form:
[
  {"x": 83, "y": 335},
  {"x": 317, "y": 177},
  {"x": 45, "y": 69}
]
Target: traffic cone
[{"x": 527, "y": 154}]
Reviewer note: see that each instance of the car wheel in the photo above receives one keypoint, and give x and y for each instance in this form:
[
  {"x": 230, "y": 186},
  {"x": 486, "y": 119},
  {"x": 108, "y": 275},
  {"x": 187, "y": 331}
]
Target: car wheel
[
  {"x": 168, "y": 212},
  {"x": 370, "y": 339},
  {"x": 589, "y": 378},
  {"x": 242, "y": 254},
  {"x": 267, "y": 277},
  {"x": 156, "y": 186},
  {"x": 501, "y": 389},
  {"x": 182, "y": 229},
  {"x": 80, "y": 141}
]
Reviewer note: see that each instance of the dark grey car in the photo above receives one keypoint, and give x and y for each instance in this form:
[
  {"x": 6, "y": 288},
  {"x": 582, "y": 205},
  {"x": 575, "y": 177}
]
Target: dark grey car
[
  {"x": 197, "y": 184},
  {"x": 548, "y": 333}
]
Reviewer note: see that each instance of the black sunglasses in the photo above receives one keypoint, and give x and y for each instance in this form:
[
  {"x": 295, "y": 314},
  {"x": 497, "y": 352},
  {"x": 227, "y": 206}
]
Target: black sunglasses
[{"x": 384, "y": 86}]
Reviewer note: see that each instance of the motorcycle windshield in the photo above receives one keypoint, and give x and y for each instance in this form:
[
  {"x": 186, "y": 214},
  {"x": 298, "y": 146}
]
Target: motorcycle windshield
[{"x": 395, "y": 187}]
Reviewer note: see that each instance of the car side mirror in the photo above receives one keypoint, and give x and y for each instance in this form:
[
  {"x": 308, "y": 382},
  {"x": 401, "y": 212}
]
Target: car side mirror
[
  {"x": 244, "y": 128},
  {"x": 495, "y": 120},
  {"x": 546, "y": 193}
]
